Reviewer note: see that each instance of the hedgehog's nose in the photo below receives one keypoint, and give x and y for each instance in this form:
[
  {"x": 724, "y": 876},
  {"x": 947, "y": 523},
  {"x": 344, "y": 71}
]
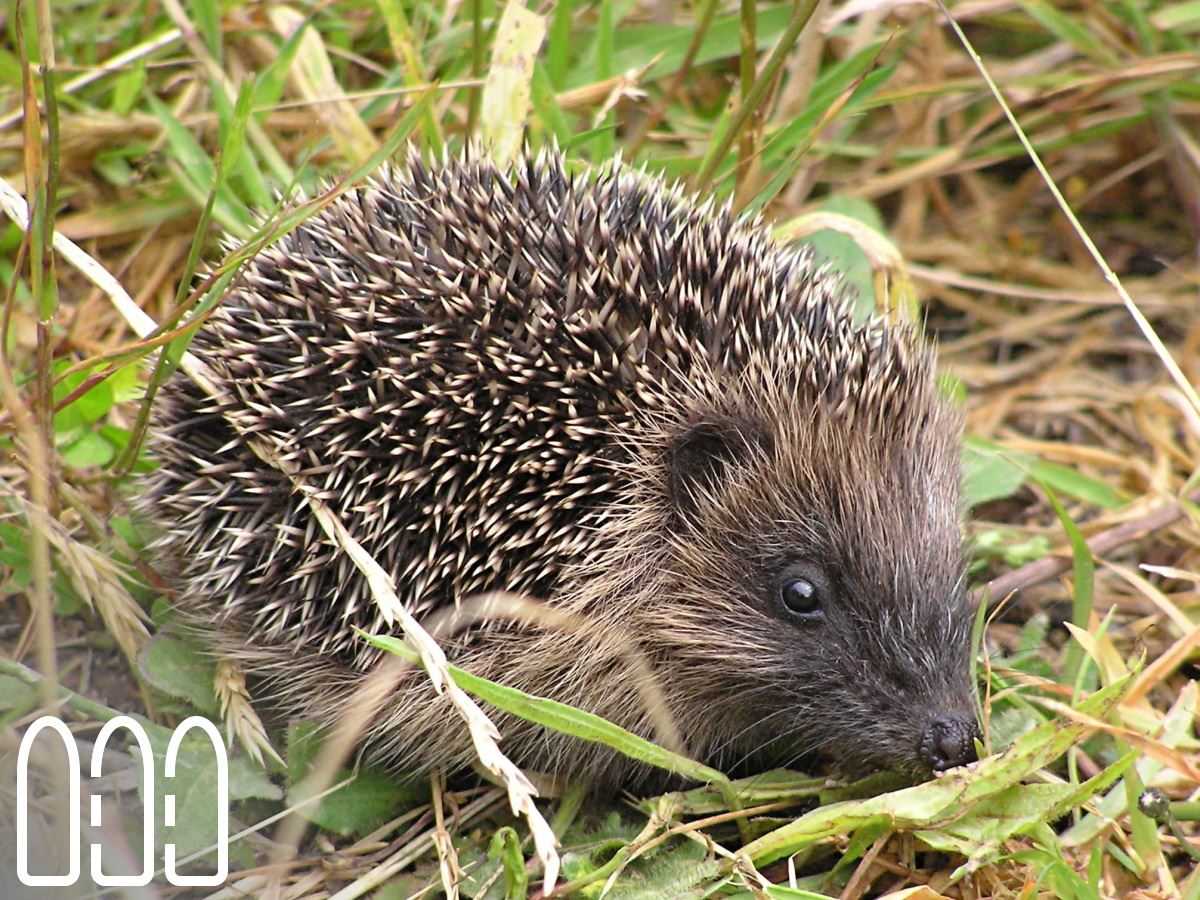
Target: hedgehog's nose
[{"x": 948, "y": 742}]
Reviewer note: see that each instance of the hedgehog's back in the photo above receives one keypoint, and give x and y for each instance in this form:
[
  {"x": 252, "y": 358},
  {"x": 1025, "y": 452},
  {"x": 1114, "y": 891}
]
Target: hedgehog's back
[{"x": 447, "y": 354}]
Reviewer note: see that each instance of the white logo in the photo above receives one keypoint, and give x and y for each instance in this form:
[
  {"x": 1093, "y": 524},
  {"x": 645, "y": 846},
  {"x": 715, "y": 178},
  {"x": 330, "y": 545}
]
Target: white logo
[{"x": 139, "y": 733}]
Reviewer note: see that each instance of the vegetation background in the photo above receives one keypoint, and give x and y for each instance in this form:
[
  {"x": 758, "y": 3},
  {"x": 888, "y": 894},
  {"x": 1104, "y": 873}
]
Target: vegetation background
[{"x": 143, "y": 130}]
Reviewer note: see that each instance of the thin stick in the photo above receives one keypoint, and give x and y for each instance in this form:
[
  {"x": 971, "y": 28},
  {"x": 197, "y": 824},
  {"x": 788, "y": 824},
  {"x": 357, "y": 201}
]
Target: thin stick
[{"x": 1044, "y": 569}]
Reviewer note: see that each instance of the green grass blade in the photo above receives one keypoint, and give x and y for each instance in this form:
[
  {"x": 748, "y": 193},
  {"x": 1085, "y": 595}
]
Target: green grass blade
[
  {"x": 1084, "y": 571},
  {"x": 545, "y": 105},
  {"x": 558, "y": 49},
  {"x": 561, "y": 718},
  {"x": 604, "y": 144},
  {"x": 719, "y": 146}
]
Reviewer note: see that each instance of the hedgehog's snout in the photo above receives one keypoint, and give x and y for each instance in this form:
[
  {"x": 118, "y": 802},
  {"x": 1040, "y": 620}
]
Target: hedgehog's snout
[{"x": 949, "y": 741}]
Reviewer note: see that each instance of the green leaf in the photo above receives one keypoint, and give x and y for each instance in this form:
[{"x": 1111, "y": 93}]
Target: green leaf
[
  {"x": 937, "y": 803},
  {"x": 1010, "y": 546},
  {"x": 482, "y": 874},
  {"x": 666, "y": 45},
  {"x": 1009, "y": 724},
  {"x": 545, "y": 104},
  {"x": 126, "y": 383},
  {"x": 197, "y": 175},
  {"x": 269, "y": 84},
  {"x": 788, "y": 148},
  {"x": 16, "y": 698},
  {"x": 89, "y": 450},
  {"x": 1075, "y": 484},
  {"x": 237, "y": 161},
  {"x": 558, "y": 48},
  {"x": 127, "y": 86},
  {"x": 989, "y": 473},
  {"x": 10, "y": 69},
  {"x": 506, "y": 848},
  {"x": 583, "y": 138},
  {"x": 90, "y": 407},
  {"x": 562, "y": 718},
  {"x": 833, "y": 81},
  {"x": 207, "y": 16},
  {"x": 178, "y": 669},
  {"x": 1066, "y": 28},
  {"x": 195, "y": 788},
  {"x": 604, "y": 146},
  {"x": 768, "y": 787},
  {"x": 1084, "y": 570},
  {"x": 844, "y": 253},
  {"x": 1178, "y": 17},
  {"x": 114, "y": 167},
  {"x": 1022, "y": 809},
  {"x": 681, "y": 870},
  {"x": 370, "y": 799},
  {"x": 66, "y": 601}
]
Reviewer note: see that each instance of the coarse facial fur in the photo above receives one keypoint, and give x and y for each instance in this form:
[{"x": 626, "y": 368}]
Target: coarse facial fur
[{"x": 591, "y": 390}]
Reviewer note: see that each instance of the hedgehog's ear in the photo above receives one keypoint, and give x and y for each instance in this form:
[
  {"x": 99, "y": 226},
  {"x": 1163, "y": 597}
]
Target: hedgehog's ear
[{"x": 702, "y": 456}]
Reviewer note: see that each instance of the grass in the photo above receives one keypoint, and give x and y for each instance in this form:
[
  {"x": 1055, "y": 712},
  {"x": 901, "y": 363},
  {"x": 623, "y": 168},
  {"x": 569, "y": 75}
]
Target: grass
[{"x": 143, "y": 132}]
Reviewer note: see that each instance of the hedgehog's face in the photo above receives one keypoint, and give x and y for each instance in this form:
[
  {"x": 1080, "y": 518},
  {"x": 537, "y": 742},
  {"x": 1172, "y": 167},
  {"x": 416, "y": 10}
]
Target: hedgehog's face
[{"x": 836, "y": 565}]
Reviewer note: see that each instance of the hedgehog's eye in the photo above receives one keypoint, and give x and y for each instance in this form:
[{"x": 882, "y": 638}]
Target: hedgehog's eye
[
  {"x": 800, "y": 597},
  {"x": 801, "y": 593}
]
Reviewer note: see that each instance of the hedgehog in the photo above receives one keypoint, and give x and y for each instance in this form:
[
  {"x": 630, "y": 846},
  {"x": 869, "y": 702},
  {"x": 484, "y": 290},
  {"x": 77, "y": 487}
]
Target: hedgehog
[{"x": 592, "y": 389}]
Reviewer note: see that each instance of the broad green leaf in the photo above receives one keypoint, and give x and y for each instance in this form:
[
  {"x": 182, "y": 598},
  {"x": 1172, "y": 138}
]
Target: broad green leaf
[
  {"x": 989, "y": 473},
  {"x": 177, "y": 668},
  {"x": 369, "y": 800},
  {"x": 1009, "y": 546},
  {"x": 844, "y": 253},
  {"x": 90, "y": 407},
  {"x": 126, "y": 383},
  {"x": 195, "y": 788},
  {"x": 89, "y": 450}
]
